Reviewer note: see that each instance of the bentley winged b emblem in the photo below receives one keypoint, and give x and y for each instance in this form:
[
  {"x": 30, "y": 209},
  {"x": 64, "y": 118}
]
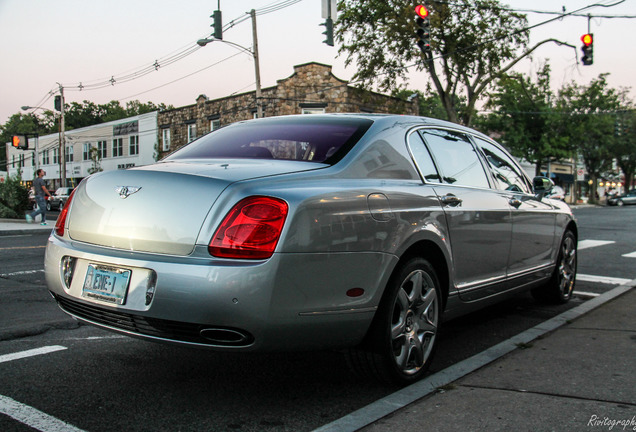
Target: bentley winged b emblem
[{"x": 125, "y": 191}]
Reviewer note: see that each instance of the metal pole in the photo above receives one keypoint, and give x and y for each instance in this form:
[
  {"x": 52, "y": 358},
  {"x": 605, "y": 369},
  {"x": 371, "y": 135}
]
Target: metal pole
[
  {"x": 257, "y": 70},
  {"x": 37, "y": 150},
  {"x": 62, "y": 141}
]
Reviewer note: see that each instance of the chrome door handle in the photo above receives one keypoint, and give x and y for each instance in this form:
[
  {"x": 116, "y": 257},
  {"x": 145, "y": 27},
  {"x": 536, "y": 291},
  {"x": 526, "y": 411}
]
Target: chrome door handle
[
  {"x": 451, "y": 200},
  {"x": 516, "y": 203}
]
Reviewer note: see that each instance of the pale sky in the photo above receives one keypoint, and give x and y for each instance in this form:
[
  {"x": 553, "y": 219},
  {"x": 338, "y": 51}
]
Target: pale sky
[{"x": 46, "y": 42}]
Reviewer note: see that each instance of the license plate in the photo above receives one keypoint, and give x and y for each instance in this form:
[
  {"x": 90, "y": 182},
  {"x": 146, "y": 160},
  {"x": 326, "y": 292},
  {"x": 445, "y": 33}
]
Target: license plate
[{"x": 109, "y": 284}]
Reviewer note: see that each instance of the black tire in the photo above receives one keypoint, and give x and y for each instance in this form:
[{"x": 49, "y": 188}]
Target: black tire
[
  {"x": 403, "y": 336},
  {"x": 620, "y": 203},
  {"x": 48, "y": 206},
  {"x": 559, "y": 289}
]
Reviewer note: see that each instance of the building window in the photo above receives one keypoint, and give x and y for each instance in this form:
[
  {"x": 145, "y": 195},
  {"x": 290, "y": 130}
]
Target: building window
[
  {"x": 313, "y": 111},
  {"x": 215, "y": 124},
  {"x": 69, "y": 154},
  {"x": 133, "y": 146},
  {"x": 165, "y": 133},
  {"x": 118, "y": 147},
  {"x": 86, "y": 154},
  {"x": 56, "y": 156},
  {"x": 101, "y": 149},
  {"x": 45, "y": 157},
  {"x": 33, "y": 159},
  {"x": 192, "y": 132},
  {"x": 13, "y": 161},
  {"x": 21, "y": 160}
]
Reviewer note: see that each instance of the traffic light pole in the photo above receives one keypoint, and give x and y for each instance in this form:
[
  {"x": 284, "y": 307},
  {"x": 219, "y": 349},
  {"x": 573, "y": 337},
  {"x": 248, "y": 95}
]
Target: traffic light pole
[
  {"x": 62, "y": 151},
  {"x": 257, "y": 69}
]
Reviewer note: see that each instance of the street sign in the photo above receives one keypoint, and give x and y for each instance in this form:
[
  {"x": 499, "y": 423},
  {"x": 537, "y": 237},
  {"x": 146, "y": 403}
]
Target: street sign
[{"x": 580, "y": 174}]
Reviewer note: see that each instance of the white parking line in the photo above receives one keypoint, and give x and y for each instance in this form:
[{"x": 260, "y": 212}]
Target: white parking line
[
  {"x": 601, "y": 279},
  {"x": 31, "y": 353},
  {"x": 33, "y": 417},
  {"x": 20, "y": 273},
  {"x": 630, "y": 255},
  {"x": 585, "y": 244}
]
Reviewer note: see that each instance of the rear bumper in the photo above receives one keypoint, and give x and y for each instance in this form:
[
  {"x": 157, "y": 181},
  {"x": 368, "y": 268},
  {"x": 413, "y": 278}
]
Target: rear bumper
[{"x": 291, "y": 301}]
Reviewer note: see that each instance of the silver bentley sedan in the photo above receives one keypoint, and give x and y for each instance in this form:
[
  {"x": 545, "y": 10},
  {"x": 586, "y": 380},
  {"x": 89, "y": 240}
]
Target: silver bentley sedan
[{"x": 344, "y": 231}]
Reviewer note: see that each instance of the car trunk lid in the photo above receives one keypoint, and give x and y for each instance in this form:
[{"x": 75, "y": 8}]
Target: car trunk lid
[{"x": 159, "y": 208}]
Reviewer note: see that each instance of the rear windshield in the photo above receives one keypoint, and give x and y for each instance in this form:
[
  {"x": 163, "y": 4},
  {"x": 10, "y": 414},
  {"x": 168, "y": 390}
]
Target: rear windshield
[{"x": 307, "y": 138}]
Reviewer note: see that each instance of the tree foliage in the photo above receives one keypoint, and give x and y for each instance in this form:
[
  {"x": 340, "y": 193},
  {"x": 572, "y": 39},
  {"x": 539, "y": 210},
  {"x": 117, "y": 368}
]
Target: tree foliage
[
  {"x": 524, "y": 115},
  {"x": 472, "y": 43},
  {"x": 591, "y": 121}
]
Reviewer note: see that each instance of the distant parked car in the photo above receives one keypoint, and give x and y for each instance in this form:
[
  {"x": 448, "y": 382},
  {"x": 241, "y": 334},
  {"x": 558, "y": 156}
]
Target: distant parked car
[
  {"x": 33, "y": 204},
  {"x": 312, "y": 232},
  {"x": 621, "y": 200},
  {"x": 59, "y": 198},
  {"x": 557, "y": 193}
]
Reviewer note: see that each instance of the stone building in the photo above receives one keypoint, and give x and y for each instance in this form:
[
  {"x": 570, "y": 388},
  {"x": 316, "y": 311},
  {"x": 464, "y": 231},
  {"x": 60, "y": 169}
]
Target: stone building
[{"x": 311, "y": 89}]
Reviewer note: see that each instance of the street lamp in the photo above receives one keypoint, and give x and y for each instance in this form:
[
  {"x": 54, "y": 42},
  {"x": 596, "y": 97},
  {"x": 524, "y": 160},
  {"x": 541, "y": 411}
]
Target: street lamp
[{"x": 254, "y": 53}]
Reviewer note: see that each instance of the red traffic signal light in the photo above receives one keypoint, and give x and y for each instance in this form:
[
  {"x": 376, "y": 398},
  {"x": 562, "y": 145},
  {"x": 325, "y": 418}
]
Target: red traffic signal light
[
  {"x": 587, "y": 39},
  {"x": 421, "y": 11}
]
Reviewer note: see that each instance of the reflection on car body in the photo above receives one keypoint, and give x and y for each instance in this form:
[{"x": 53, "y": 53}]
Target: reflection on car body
[{"x": 312, "y": 232}]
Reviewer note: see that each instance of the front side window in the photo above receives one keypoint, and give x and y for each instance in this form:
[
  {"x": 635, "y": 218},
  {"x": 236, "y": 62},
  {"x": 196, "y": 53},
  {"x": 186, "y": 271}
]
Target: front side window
[
  {"x": 300, "y": 139},
  {"x": 507, "y": 176},
  {"x": 456, "y": 158}
]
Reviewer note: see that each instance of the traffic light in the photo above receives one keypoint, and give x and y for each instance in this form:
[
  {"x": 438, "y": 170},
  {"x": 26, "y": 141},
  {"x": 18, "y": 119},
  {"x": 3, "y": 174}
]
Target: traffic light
[
  {"x": 58, "y": 103},
  {"x": 217, "y": 24},
  {"x": 328, "y": 31},
  {"x": 423, "y": 28},
  {"x": 588, "y": 49},
  {"x": 20, "y": 142}
]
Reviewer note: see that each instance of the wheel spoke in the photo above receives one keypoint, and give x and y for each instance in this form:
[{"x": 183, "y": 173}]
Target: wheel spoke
[{"x": 400, "y": 310}]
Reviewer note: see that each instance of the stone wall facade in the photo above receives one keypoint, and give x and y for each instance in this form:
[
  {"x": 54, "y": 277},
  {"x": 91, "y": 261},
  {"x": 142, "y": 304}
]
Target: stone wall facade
[{"x": 311, "y": 88}]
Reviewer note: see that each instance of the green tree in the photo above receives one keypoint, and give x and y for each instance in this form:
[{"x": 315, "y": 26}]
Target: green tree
[
  {"x": 591, "y": 124},
  {"x": 472, "y": 43},
  {"x": 624, "y": 146},
  {"x": 524, "y": 115}
]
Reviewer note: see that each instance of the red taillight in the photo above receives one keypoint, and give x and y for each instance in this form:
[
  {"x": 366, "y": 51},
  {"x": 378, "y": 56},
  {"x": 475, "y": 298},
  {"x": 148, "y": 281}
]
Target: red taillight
[
  {"x": 250, "y": 230},
  {"x": 61, "y": 219}
]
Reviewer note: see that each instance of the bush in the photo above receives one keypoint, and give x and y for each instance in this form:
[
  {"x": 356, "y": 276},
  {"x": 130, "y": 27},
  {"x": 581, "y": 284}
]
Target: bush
[{"x": 14, "y": 198}]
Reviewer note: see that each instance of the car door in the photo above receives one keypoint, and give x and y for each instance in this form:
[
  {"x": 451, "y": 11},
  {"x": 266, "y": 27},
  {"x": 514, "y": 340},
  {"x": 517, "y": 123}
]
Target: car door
[
  {"x": 477, "y": 216},
  {"x": 533, "y": 219}
]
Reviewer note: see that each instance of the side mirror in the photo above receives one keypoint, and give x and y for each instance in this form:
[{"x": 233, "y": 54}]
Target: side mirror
[{"x": 542, "y": 186}]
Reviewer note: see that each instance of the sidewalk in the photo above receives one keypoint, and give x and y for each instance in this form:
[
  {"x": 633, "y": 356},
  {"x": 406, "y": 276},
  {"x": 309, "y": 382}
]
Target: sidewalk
[
  {"x": 576, "y": 372},
  {"x": 20, "y": 226}
]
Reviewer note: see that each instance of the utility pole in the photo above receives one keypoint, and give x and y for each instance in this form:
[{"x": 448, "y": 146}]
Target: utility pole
[
  {"x": 62, "y": 151},
  {"x": 257, "y": 70}
]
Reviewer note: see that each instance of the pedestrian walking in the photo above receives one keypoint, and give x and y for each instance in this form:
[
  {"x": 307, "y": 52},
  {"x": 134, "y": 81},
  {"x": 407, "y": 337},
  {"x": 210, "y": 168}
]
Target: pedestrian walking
[{"x": 39, "y": 187}]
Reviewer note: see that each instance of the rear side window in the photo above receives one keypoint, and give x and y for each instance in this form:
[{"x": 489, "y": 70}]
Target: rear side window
[
  {"x": 423, "y": 159},
  {"x": 304, "y": 138},
  {"x": 456, "y": 158}
]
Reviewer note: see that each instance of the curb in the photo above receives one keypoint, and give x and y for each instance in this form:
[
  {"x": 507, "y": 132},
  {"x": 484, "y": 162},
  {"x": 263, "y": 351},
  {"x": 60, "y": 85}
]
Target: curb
[{"x": 377, "y": 410}]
